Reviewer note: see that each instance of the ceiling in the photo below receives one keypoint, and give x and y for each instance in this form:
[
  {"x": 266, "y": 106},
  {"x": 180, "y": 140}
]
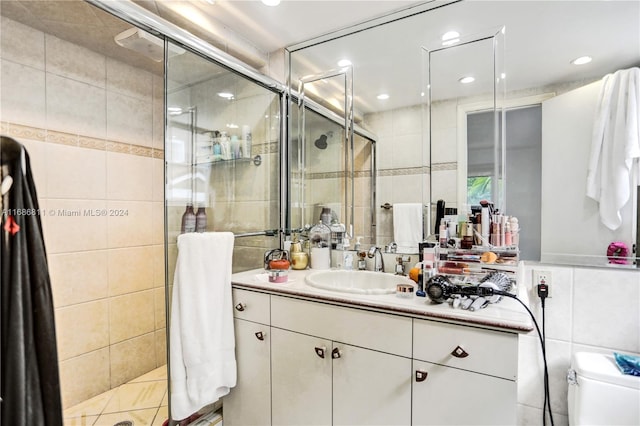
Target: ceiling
[
  {"x": 246, "y": 29},
  {"x": 541, "y": 37}
]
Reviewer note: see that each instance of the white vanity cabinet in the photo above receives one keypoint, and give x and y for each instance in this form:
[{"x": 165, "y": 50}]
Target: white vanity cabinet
[
  {"x": 249, "y": 402},
  {"x": 463, "y": 375},
  {"x": 328, "y": 367},
  {"x": 308, "y": 362}
]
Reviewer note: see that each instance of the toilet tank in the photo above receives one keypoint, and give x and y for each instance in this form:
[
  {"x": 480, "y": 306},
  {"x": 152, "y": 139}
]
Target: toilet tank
[{"x": 599, "y": 394}]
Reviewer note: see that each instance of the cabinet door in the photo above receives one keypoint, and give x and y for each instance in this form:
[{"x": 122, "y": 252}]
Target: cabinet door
[
  {"x": 445, "y": 395},
  {"x": 370, "y": 387},
  {"x": 301, "y": 379},
  {"x": 249, "y": 402}
]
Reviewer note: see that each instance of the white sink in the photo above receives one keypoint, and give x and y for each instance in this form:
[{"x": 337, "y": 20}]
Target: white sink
[{"x": 360, "y": 282}]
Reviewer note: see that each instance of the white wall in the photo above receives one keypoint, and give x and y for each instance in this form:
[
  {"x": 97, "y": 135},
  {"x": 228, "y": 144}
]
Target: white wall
[{"x": 570, "y": 220}]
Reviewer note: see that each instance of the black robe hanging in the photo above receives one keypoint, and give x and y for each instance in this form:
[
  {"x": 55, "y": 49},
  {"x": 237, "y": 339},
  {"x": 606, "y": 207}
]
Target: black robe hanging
[{"x": 29, "y": 375}]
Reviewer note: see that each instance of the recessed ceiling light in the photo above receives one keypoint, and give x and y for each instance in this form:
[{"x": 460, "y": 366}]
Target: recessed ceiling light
[
  {"x": 271, "y": 2},
  {"x": 450, "y": 35},
  {"x": 344, "y": 63},
  {"x": 582, "y": 60},
  {"x": 503, "y": 76},
  {"x": 226, "y": 95},
  {"x": 450, "y": 42},
  {"x": 467, "y": 80},
  {"x": 382, "y": 96}
]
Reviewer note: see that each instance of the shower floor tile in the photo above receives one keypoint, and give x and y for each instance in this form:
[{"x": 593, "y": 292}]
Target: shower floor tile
[{"x": 142, "y": 401}]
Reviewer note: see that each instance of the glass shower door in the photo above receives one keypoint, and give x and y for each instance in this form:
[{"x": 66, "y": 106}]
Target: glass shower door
[{"x": 222, "y": 156}]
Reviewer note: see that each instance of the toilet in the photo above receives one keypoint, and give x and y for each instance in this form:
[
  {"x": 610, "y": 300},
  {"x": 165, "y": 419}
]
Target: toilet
[{"x": 599, "y": 394}]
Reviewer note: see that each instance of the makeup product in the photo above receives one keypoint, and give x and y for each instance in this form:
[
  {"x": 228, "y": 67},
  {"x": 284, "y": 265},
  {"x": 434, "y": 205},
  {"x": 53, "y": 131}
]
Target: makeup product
[
  {"x": 404, "y": 290},
  {"x": 485, "y": 223}
]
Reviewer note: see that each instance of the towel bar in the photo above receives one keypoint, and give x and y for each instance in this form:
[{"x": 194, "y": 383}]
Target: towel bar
[{"x": 268, "y": 233}]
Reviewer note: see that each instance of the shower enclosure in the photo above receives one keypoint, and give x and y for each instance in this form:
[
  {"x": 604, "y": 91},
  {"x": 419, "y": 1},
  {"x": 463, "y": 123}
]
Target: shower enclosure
[{"x": 222, "y": 156}]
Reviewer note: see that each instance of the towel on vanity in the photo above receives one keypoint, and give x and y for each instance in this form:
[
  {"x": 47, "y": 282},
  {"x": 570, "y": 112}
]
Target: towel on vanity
[
  {"x": 615, "y": 146},
  {"x": 407, "y": 226},
  {"x": 202, "y": 343}
]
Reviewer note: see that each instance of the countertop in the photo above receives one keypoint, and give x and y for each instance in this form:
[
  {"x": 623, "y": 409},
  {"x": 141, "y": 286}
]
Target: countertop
[{"x": 507, "y": 315}]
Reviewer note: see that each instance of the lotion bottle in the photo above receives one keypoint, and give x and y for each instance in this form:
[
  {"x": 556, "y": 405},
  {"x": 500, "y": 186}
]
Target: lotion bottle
[
  {"x": 188, "y": 220},
  {"x": 201, "y": 220}
]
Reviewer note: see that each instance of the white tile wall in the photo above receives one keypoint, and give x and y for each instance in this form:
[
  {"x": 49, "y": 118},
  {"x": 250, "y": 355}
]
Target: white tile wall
[
  {"x": 107, "y": 272},
  {"x": 590, "y": 309}
]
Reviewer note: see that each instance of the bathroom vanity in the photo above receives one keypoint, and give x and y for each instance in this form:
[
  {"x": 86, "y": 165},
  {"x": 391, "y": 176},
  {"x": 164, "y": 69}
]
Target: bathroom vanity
[{"x": 312, "y": 356}]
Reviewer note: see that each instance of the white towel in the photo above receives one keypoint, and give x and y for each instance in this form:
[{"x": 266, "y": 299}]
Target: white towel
[
  {"x": 202, "y": 344},
  {"x": 615, "y": 147},
  {"x": 407, "y": 226}
]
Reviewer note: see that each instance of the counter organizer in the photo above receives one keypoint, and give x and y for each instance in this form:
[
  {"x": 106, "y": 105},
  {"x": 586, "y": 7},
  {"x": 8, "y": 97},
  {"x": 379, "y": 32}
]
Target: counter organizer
[{"x": 471, "y": 279}]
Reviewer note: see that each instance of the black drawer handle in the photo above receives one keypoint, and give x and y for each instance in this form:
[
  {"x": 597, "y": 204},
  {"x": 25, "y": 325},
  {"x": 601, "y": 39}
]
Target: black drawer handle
[
  {"x": 421, "y": 375},
  {"x": 240, "y": 307},
  {"x": 458, "y": 352},
  {"x": 260, "y": 335},
  {"x": 320, "y": 351}
]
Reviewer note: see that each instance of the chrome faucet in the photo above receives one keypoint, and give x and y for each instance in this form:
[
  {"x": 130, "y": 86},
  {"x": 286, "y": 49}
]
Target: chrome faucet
[{"x": 376, "y": 254}]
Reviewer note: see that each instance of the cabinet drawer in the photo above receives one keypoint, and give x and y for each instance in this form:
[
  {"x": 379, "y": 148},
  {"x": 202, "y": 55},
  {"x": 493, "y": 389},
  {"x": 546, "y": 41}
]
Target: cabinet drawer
[
  {"x": 251, "y": 306},
  {"x": 487, "y": 351},
  {"x": 373, "y": 330}
]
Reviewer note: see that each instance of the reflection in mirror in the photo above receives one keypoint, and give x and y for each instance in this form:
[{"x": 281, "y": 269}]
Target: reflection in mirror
[
  {"x": 469, "y": 68},
  {"x": 538, "y": 72},
  {"x": 318, "y": 177},
  {"x": 344, "y": 162}
]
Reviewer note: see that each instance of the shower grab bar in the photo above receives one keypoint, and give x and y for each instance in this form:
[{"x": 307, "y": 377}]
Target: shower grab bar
[{"x": 267, "y": 233}]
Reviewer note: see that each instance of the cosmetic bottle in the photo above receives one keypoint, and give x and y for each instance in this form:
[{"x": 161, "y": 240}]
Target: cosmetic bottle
[
  {"x": 246, "y": 141},
  {"x": 485, "y": 224},
  {"x": 225, "y": 146},
  {"x": 507, "y": 234},
  {"x": 235, "y": 147},
  {"x": 442, "y": 235},
  {"x": 201, "y": 220},
  {"x": 188, "y": 220}
]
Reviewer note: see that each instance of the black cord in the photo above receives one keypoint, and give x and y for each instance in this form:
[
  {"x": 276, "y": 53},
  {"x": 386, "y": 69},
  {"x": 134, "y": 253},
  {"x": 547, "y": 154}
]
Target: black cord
[
  {"x": 547, "y": 398},
  {"x": 544, "y": 355}
]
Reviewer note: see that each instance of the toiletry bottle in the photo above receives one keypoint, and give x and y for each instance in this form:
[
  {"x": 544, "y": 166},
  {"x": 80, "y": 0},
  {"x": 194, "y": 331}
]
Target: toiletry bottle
[
  {"x": 235, "y": 147},
  {"x": 443, "y": 233},
  {"x": 485, "y": 224},
  {"x": 246, "y": 140},
  {"x": 347, "y": 255},
  {"x": 507, "y": 234},
  {"x": 201, "y": 220},
  {"x": 225, "y": 146},
  {"x": 362, "y": 263},
  {"x": 188, "y": 220}
]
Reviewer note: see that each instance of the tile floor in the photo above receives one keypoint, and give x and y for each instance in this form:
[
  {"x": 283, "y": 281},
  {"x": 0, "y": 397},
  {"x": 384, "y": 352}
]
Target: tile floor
[{"x": 142, "y": 401}]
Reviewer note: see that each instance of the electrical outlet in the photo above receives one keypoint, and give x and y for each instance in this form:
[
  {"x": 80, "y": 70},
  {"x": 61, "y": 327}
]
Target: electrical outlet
[{"x": 542, "y": 277}]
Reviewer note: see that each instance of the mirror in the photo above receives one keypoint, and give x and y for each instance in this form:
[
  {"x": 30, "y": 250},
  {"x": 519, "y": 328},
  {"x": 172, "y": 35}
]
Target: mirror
[{"x": 541, "y": 40}]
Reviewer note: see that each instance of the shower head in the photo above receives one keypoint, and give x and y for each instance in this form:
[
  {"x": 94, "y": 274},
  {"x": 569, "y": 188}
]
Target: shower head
[{"x": 321, "y": 142}]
